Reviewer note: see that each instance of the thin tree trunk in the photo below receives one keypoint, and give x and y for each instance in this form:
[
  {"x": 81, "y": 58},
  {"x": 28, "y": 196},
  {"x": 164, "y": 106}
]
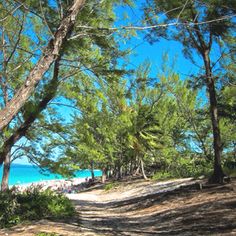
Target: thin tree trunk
[
  {"x": 111, "y": 173},
  {"x": 131, "y": 168},
  {"x": 50, "y": 54},
  {"x": 92, "y": 171},
  {"x": 218, "y": 174},
  {"x": 136, "y": 165},
  {"x": 104, "y": 175},
  {"x": 119, "y": 171},
  {"x": 137, "y": 170},
  {"x": 143, "y": 171},
  {"x": 6, "y": 170}
]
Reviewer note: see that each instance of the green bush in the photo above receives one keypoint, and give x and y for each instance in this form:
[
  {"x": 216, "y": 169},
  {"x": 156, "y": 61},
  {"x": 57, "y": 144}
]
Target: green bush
[
  {"x": 162, "y": 176},
  {"x": 110, "y": 186},
  {"x": 47, "y": 234},
  {"x": 187, "y": 167},
  {"x": 8, "y": 206},
  {"x": 230, "y": 172},
  {"x": 32, "y": 204},
  {"x": 183, "y": 168},
  {"x": 229, "y": 166}
]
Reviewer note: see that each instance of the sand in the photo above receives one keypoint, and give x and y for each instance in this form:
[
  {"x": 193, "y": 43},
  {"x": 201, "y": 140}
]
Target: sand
[
  {"x": 61, "y": 185},
  {"x": 136, "y": 207}
]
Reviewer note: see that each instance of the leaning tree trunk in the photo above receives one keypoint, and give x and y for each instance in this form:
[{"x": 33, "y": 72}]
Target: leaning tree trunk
[
  {"x": 137, "y": 171},
  {"x": 5, "y": 155},
  {"x": 218, "y": 174},
  {"x": 50, "y": 54},
  {"x": 49, "y": 93},
  {"x": 6, "y": 170}
]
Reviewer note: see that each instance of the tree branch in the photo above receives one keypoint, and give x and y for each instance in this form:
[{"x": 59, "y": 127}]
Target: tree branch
[
  {"x": 49, "y": 93},
  {"x": 50, "y": 54},
  {"x": 134, "y": 27}
]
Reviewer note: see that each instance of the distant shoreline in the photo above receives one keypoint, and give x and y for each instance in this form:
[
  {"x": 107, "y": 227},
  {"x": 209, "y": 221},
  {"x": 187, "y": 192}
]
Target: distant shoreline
[
  {"x": 63, "y": 185},
  {"x": 21, "y": 174}
]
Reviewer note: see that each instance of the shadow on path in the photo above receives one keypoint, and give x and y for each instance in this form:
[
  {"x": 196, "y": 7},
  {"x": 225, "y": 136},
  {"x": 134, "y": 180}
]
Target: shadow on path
[
  {"x": 184, "y": 211},
  {"x": 180, "y": 212}
]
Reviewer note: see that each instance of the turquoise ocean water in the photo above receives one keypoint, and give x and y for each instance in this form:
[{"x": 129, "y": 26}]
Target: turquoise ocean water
[{"x": 22, "y": 174}]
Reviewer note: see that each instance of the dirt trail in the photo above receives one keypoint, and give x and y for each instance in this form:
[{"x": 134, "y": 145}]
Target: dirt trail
[{"x": 140, "y": 207}]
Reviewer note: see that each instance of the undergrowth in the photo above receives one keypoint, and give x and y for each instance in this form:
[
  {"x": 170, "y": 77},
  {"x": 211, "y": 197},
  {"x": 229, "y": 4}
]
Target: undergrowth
[{"x": 32, "y": 204}]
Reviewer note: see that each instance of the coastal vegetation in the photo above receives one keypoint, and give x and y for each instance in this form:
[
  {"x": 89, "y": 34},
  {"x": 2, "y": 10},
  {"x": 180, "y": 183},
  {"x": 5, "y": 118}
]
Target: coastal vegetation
[
  {"x": 71, "y": 97},
  {"x": 32, "y": 204},
  {"x": 140, "y": 207}
]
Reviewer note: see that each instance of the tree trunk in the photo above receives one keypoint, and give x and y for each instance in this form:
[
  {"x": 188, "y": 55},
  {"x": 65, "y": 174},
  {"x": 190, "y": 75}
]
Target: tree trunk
[
  {"x": 119, "y": 171},
  {"x": 92, "y": 171},
  {"x": 136, "y": 165},
  {"x": 50, "y": 54},
  {"x": 49, "y": 93},
  {"x": 143, "y": 171},
  {"x": 6, "y": 170},
  {"x": 131, "y": 168},
  {"x": 137, "y": 171},
  {"x": 218, "y": 174},
  {"x": 104, "y": 175}
]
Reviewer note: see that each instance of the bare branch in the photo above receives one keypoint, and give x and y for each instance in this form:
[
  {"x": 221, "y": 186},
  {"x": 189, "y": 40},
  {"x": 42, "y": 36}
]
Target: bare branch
[{"x": 133, "y": 27}]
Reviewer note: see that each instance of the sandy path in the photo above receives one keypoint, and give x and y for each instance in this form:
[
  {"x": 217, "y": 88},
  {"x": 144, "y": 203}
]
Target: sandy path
[{"x": 146, "y": 208}]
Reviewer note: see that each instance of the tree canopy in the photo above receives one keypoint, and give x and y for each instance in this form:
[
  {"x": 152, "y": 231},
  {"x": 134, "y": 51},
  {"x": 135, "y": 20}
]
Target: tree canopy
[{"x": 124, "y": 121}]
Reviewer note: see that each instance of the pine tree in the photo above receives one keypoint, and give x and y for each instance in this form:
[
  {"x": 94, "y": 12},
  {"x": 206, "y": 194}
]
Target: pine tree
[{"x": 198, "y": 29}]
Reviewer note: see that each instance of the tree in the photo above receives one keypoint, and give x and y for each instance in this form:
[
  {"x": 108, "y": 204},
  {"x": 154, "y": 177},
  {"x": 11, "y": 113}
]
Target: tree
[
  {"x": 16, "y": 62},
  {"x": 197, "y": 37},
  {"x": 67, "y": 60},
  {"x": 31, "y": 113},
  {"x": 50, "y": 54},
  {"x": 124, "y": 126}
]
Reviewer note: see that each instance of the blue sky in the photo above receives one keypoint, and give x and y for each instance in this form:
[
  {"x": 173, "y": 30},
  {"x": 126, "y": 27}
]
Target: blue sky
[{"x": 154, "y": 53}]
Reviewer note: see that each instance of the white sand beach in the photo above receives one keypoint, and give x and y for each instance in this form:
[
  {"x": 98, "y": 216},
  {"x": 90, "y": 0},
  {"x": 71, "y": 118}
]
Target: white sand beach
[{"x": 72, "y": 185}]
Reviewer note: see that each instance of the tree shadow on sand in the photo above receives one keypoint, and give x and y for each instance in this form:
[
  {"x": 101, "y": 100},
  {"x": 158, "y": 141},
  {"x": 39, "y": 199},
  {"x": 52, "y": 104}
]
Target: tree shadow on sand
[
  {"x": 204, "y": 218},
  {"x": 183, "y": 211}
]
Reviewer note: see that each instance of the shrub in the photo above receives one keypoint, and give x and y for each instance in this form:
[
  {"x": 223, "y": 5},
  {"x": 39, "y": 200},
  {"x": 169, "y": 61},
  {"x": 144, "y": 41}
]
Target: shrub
[
  {"x": 8, "y": 206},
  {"x": 185, "y": 167},
  {"x": 47, "y": 234},
  {"x": 111, "y": 186},
  {"x": 162, "y": 176},
  {"x": 229, "y": 166},
  {"x": 36, "y": 204},
  {"x": 32, "y": 204}
]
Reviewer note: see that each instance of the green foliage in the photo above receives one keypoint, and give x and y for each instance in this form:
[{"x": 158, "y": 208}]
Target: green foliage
[
  {"x": 230, "y": 172},
  {"x": 230, "y": 164},
  {"x": 163, "y": 176},
  {"x": 32, "y": 204},
  {"x": 111, "y": 186},
  {"x": 196, "y": 29},
  {"x": 47, "y": 234},
  {"x": 192, "y": 12},
  {"x": 8, "y": 208},
  {"x": 185, "y": 167},
  {"x": 152, "y": 124}
]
